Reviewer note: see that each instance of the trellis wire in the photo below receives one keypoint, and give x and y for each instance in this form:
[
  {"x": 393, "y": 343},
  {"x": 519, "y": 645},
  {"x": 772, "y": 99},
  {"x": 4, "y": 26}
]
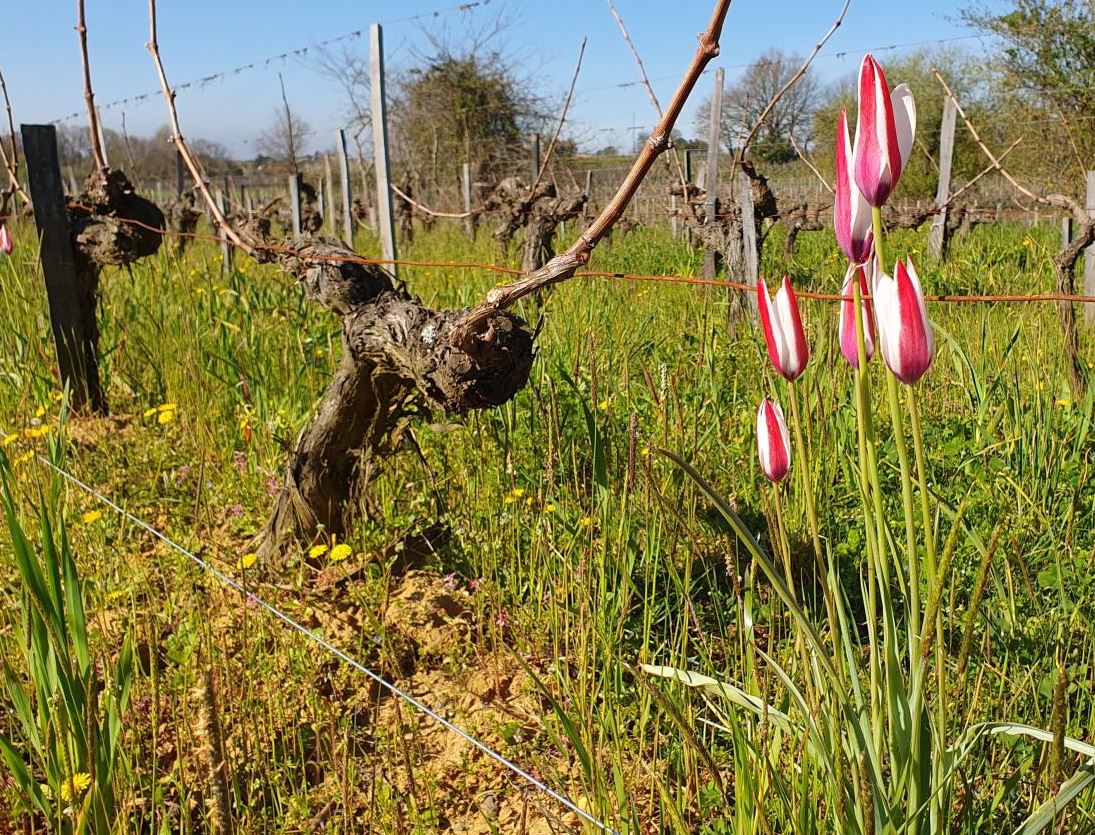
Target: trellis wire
[{"x": 331, "y": 648}]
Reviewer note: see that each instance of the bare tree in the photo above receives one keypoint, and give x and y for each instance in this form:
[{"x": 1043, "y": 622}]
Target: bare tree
[
  {"x": 791, "y": 119},
  {"x": 287, "y": 136}
]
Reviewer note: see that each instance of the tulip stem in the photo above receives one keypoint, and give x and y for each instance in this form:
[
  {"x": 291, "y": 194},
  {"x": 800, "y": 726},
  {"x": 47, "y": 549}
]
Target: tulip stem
[
  {"x": 876, "y": 225},
  {"x": 824, "y": 574}
]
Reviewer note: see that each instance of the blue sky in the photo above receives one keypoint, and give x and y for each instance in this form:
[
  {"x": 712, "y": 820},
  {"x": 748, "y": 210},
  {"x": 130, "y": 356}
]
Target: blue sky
[{"x": 39, "y": 55}]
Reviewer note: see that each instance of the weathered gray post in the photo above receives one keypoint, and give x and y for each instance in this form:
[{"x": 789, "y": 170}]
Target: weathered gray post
[
  {"x": 470, "y": 226},
  {"x": 347, "y": 189},
  {"x": 226, "y": 245},
  {"x": 180, "y": 180},
  {"x": 70, "y": 319},
  {"x": 535, "y": 157},
  {"x": 329, "y": 217},
  {"x": 748, "y": 236},
  {"x": 1089, "y": 254},
  {"x": 380, "y": 148},
  {"x": 294, "y": 202},
  {"x": 711, "y": 178},
  {"x": 937, "y": 239}
]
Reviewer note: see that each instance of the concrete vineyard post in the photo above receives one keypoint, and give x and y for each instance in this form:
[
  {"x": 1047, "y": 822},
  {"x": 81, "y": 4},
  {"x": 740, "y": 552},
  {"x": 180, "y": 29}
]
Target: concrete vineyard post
[
  {"x": 748, "y": 237},
  {"x": 937, "y": 240},
  {"x": 75, "y": 345},
  {"x": 711, "y": 178},
  {"x": 347, "y": 189},
  {"x": 329, "y": 217},
  {"x": 380, "y": 148}
]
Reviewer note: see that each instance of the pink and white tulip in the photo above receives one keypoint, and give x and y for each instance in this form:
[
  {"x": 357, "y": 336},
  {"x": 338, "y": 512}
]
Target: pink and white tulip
[
  {"x": 883, "y": 134},
  {"x": 851, "y": 211},
  {"x": 783, "y": 332},
  {"x": 904, "y": 332},
  {"x": 773, "y": 441},
  {"x": 849, "y": 346},
  {"x": 6, "y": 243}
]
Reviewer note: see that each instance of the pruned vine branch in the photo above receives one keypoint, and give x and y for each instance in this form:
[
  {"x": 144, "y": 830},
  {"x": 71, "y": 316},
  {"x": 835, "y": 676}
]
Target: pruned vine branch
[
  {"x": 562, "y": 118},
  {"x": 97, "y": 153}
]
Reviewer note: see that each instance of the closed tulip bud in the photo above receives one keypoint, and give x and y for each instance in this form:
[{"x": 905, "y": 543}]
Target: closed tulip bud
[
  {"x": 6, "y": 243},
  {"x": 849, "y": 346},
  {"x": 851, "y": 211},
  {"x": 904, "y": 332},
  {"x": 773, "y": 441},
  {"x": 783, "y": 332},
  {"x": 883, "y": 134}
]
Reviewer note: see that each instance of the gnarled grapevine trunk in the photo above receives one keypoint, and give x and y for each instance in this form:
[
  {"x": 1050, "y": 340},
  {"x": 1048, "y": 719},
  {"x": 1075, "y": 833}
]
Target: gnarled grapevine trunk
[{"x": 395, "y": 353}]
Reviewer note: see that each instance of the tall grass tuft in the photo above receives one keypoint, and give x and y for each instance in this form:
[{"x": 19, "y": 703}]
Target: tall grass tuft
[{"x": 67, "y": 719}]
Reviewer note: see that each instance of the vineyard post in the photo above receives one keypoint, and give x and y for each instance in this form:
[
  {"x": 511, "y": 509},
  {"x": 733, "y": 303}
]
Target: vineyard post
[
  {"x": 711, "y": 174},
  {"x": 1066, "y": 231},
  {"x": 245, "y": 198},
  {"x": 465, "y": 190},
  {"x": 329, "y": 217},
  {"x": 321, "y": 196},
  {"x": 589, "y": 195},
  {"x": 102, "y": 136},
  {"x": 937, "y": 240},
  {"x": 76, "y": 359},
  {"x": 294, "y": 202},
  {"x": 535, "y": 157},
  {"x": 347, "y": 189},
  {"x": 748, "y": 237},
  {"x": 1089, "y": 254},
  {"x": 382, "y": 164},
  {"x": 179, "y": 179},
  {"x": 226, "y": 245}
]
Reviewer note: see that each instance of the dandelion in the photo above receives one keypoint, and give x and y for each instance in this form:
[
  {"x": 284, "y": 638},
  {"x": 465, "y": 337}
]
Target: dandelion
[
  {"x": 91, "y": 516},
  {"x": 75, "y": 786},
  {"x": 317, "y": 551},
  {"x": 549, "y": 508},
  {"x": 340, "y": 552},
  {"x": 247, "y": 560},
  {"x": 585, "y": 522},
  {"x": 8, "y": 440},
  {"x": 40, "y": 411},
  {"x": 165, "y": 417},
  {"x": 24, "y": 458},
  {"x": 35, "y": 432}
]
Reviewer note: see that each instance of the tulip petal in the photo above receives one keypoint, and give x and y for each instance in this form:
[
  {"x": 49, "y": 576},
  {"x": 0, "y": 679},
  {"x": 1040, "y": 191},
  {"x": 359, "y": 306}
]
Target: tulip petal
[
  {"x": 904, "y": 112},
  {"x": 849, "y": 345},
  {"x": 796, "y": 351},
  {"x": 770, "y": 324},
  {"x": 851, "y": 211},
  {"x": 773, "y": 441}
]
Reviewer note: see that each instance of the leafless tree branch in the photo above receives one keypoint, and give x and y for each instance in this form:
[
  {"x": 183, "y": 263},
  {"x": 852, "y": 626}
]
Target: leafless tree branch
[
  {"x": 802, "y": 156},
  {"x": 89, "y": 95},
  {"x": 11, "y": 161},
  {"x": 562, "y": 118}
]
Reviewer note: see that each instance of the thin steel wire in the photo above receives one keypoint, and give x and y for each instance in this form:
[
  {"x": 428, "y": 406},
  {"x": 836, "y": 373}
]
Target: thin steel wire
[{"x": 331, "y": 648}]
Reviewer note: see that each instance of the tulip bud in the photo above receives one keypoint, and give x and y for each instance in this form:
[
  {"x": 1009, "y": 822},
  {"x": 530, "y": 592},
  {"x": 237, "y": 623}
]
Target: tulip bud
[
  {"x": 783, "y": 332},
  {"x": 773, "y": 441},
  {"x": 904, "y": 332},
  {"x": 6, "y": 243},
  {"x": 849, "y": 346},
  {"x": 851, "y": 211},
  {"x": 883, "y": 133}
]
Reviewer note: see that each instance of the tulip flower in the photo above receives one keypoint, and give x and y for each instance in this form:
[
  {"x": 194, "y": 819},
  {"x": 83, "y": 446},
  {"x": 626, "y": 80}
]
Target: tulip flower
[
  {"x": 783, "y": 333},
  {"x": 851, "y": 211},
  {"x": 6, "y": 243},
  {"x": 848, "y": 343},
  {"x": 904, "y": 332},
  {"x": 883, "y": 133},
  {"x": 773, "y": 441}
]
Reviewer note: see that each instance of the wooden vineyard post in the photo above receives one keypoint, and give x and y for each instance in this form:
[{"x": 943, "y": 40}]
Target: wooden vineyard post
[
  {"x": 587, "y": 209},
  {"x": 1089, "y": 254},
  {"x": 329, "y": 187},
  {"x": 748, "y": 237},
  {"x": 711, "y": 175},
  {"x": 380, "y": 148},
  {"x": 294, "y": 202},
  {"x": 347, "y": 189},
  {"x": 71, "y": 311},
  {"x": 226, "y": 245},
  {"x": 937, "y": 240},
  {"x": 470, "y": 225},
  {"x": 535, "y": 157},
  {"x": 1066, "y": 231},
  {"x": 180, "y": 181}
]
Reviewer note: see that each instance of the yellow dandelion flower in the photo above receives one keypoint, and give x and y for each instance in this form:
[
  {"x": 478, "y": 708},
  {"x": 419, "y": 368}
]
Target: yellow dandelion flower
[
  {"x": 56, "y": 396},
  {"x": 518, "y": 492},
  {"x": 509, "y": 500},
  {"x": 40, "y": 411},
  {"x": 91, "y": 516},
  {"x": 24, "y": 458},
  {"x": 152, "y": 411},
  {"x": 317, "y": 551},
  {"x": 36, "y": 432},
  {"x": 166, "y": 416},
  {"x": 116, "y": 594},
  {"x": 247, "y": 560},
  {"x": 549, "y": 508},
  {"x": 75, "y": 786},
  {"x": 645, "y": 452},
  {"x": 603, "y": 405},
  {"x": 585, "y": 522},
  {"x": 8, "y": 440},
  {"x": 1064, "y": 402},
  {"x": 530, "y": 501},
  {"x": 340, "y": 552}
]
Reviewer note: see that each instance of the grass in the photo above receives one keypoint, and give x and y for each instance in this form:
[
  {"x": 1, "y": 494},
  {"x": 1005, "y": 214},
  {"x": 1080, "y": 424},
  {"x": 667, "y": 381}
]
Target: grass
[{"x": 577, "y": 552}]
